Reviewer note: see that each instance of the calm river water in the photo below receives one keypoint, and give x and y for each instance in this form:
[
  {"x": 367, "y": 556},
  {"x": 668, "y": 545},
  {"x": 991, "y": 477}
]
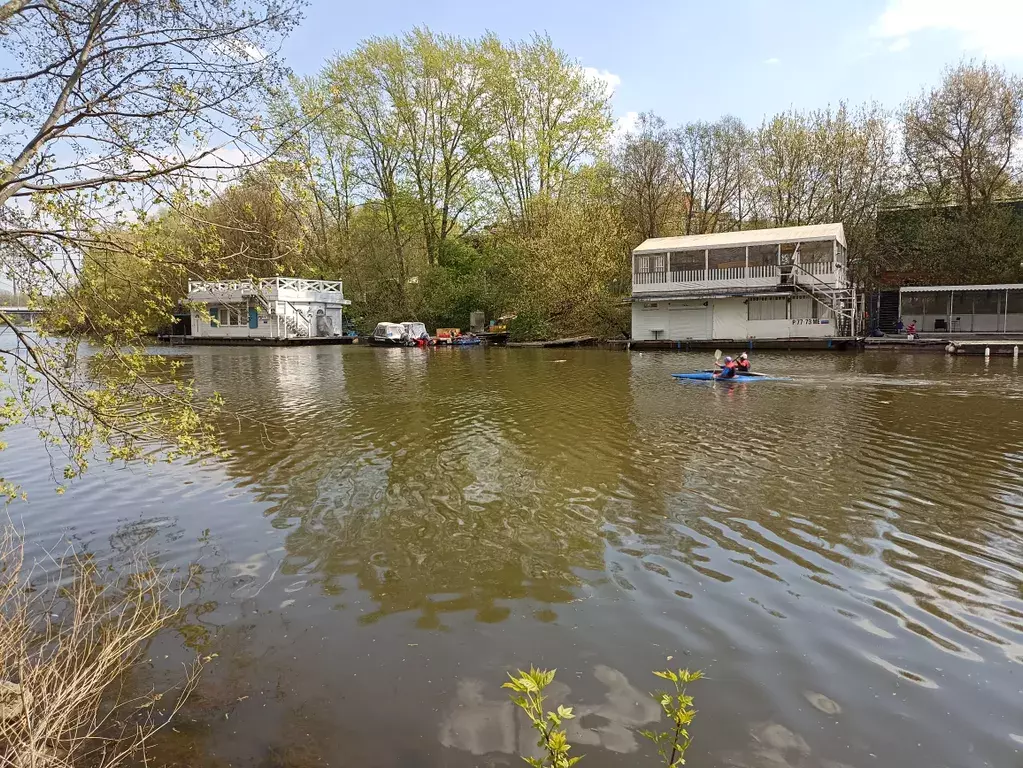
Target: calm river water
[{"x": 842, "y": 555}]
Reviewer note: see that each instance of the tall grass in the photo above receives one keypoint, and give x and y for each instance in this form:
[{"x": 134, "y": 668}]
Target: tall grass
[{"x": 67, "y": 651}]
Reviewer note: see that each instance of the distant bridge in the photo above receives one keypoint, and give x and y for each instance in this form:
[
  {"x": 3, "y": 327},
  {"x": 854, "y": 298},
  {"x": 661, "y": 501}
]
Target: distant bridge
[{"x": 23, "y": 315}]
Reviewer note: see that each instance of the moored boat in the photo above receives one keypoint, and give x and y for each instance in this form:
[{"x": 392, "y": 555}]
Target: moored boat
[{"x": 388, "y": 335}]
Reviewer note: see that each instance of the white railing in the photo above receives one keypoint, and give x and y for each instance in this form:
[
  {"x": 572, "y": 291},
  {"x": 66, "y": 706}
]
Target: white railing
[
  {"x": 262, "y": 284},
  {"x": 727, "y": 273},
  {"x": 648, "y": 278},
  {"x": 765, "y": 270},
  {"x": 688, "y": 276},
  {"x": 819, "y": 268}
]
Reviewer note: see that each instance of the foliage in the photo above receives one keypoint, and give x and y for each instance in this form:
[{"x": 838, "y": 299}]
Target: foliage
[
  {"x": 962, "y": 139},
  {"x": 678, "y": 706},
  {"x": 114, "y": 113},
  {"x": 529, "y": 687},
  {"x": 67, "y": 653},
  {"x": 529, "y": 325}
]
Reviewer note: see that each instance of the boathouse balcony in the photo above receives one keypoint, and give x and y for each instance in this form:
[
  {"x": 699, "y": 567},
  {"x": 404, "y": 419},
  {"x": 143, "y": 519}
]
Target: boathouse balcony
[
  {"x": 269, "y": 289},
  {"x": 752, "y": 261}
]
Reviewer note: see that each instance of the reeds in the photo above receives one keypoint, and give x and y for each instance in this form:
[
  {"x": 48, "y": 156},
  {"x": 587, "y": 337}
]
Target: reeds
[{"x": 67, "y": 651}]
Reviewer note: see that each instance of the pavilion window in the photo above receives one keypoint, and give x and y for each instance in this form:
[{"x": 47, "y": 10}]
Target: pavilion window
[{"x": 686, "y": 261}]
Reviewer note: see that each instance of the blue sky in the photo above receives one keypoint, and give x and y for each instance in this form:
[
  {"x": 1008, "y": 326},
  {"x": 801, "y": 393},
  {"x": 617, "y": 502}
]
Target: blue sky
[{"x": 690, "y": 60}]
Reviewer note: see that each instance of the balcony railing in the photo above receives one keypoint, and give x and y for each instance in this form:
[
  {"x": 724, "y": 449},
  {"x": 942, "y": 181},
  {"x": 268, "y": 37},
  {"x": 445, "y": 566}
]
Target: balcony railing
[
  {"x": 706, "y": 275},
  {"x": 262, "y": 285},
  {"x": 762, "y": 275}
]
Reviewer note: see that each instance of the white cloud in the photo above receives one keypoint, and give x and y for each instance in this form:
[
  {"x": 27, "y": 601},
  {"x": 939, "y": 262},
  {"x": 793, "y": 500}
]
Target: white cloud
[
  {"x": 611, "y": 81},
  {"x": 989, "y": 27},
  {"x": 626, "y": 124},
  {"x": 899, "y": 45},
  {"x": 772, "y": 61}
]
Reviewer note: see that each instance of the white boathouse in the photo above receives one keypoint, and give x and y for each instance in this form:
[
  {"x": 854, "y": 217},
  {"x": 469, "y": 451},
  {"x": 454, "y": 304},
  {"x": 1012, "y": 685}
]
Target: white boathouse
[
  {"x": 782, "y": 283},
  {"x": 266, "y": 308}
]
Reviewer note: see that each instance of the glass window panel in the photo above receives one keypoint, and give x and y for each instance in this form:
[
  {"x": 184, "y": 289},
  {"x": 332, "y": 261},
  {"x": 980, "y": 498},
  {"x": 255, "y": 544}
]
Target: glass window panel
[
  {"x": 1015, "y": 303},
  {"x": 727, "y": 258},
  {"x": 817, "y": 252},
  {"x": 912, "y": 304},
  {"x": 936, "y": 303},
  {"x": 686, "y": 261},
  {"x": 987, "y": 302},
  {"x": 763, "y": 255},
  {"x": 962, "y": 303}
]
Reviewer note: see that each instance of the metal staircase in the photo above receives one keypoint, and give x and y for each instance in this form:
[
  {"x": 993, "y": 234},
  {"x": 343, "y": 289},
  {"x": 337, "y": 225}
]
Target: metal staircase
[
  {"x": 838, "y": 301},
  {"x": 295, "y": 328}
]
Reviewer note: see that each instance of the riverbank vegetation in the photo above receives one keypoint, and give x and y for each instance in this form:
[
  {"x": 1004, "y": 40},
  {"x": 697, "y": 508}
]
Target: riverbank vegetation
[{"x": 70, "y": 641}]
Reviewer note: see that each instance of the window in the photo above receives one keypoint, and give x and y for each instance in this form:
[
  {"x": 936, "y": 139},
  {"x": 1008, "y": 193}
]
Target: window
[
  {"x": 962, "y": 303},
  {"x": 727, "y": 258},
  {"x": 767, "y": 309},
  {"x": 988, "y": 302},
  {"x": 1015, "y": 303},
  {"x": 820, "y": 252},
  {"x": 687, "y": 261},
  {"x": 936, "y": 303},
  {"x": 763, "y": 255},
  {"x": 233, "y": 315},
  {"x": 912, "y": 305},
  {"x": 652, "y": 263},
  {"x": 787, "y": 253}
]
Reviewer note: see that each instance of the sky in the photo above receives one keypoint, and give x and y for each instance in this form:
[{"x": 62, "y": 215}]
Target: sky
[{"x": 687, "y": 60}]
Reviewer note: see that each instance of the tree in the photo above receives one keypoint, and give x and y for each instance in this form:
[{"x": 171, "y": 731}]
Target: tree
[
  {"x": 549, "y": 116},
  {"x": 962, "y": 139},
  {"x": 647, "y": 178},
  {"x": 111, "y": 109},
  {"x": 323, "y": 181},
  {"x": 709, "y": 158}
]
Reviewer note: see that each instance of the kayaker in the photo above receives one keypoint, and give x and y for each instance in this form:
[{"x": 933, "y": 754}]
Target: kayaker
[
  {"x": 728, "y": 369},
  {"x": 743, "y": 363}
]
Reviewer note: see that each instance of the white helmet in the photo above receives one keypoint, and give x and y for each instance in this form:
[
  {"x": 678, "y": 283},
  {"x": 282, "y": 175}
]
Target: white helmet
[{"x": 744, "y": 356}]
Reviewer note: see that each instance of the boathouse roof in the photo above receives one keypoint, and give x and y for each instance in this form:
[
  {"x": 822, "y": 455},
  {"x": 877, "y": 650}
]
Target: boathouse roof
[{"x": 743, "y": 238}]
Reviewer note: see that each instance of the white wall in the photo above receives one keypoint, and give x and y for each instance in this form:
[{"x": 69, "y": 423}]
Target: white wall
[
  {"x": 270, "y": 326},
  {"x": 728, "y": 320}
]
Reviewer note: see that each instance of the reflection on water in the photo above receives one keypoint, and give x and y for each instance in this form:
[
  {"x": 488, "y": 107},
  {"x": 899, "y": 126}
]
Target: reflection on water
[
  {"x": 482, "y": 723},
  {"x": 396, "y": 528}
]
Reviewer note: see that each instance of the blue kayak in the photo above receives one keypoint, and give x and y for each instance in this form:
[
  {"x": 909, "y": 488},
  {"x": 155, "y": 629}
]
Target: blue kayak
[{"x": 743, "y": 377}]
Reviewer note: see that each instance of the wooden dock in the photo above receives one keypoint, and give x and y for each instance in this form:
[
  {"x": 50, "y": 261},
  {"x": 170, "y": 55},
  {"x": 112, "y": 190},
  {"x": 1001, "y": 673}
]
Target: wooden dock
[
  {"x": 575, "y": 341},
  {"x": 1001, "y": 347},
  {"x": 824, "y": 343},
  {"x": 244, "y": 341}
]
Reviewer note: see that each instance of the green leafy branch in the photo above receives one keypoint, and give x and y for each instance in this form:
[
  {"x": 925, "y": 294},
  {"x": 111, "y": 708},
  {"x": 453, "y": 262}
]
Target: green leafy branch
[
  {"x": 678, "y": 706},
  {"x": 530, "y": 687}
]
